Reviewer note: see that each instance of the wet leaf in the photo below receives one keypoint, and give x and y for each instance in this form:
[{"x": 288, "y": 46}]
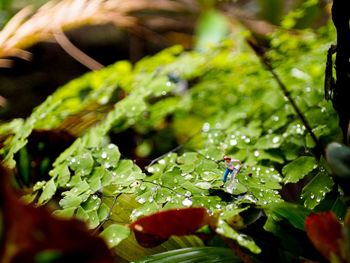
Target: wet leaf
[
  {"x": 114, "y": 234},
  {"x": 226, "y": 230},
  {"x": 195, "y": 254},
  {"x": 315, "y": 191},
  {"x": 298, "y": 169},
  {"x": 49, "y": 190}
]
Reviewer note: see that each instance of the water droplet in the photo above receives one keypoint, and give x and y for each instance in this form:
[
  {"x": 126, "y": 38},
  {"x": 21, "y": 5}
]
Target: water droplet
[
  {"x": 168, "y": 199},
  {"x": 218, "y": 206},
  {"x": 103, "y": 100},
  {"x": 164, "y": 92},
  {"x": 318, "y": 199},
  {"x": 247, "y": 140},
  {"x": 161, "y": 161},
  {"x": 233, "y": 142},
  {"x": 275, "y": 118},
  {"x": 275, "y": 139},
  {"x": 312, "y": 196},
  {"x": 187, "y": 202},
  {"x": 150, "y": 169},
  {"x": 188, "y": 176},
  {"x": 256, "y": 154},
  {"x": 94, "y": 197},
  {"x": 206, "y": 127},
  {"x": 150, "y": 199},
  {"x": 104, "y": 155},
  {"x": 141, "y": 200},
  {"x": 220, "y": 230},
  {"x": 218, "y": 125},
  {"x": 188, "y": 193}
]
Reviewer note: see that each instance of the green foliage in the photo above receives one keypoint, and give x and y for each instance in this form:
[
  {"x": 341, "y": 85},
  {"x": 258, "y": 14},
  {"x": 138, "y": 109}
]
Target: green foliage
[
  {"x": 224, "y": 102},
  {"x": 201, "y": 254}
]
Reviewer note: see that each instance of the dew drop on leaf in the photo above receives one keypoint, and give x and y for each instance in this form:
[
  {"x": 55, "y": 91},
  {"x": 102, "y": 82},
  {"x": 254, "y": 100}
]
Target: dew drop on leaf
[
  {"x": 275, "y": 139},
  {"x": 206, "y": 127},
  {"x": 233, "y": 142},
  {"x": 187, "y": 202},
  {"x": 141, "y": 200}
]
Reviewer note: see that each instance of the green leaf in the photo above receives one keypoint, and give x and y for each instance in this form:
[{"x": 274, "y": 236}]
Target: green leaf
[
  {"x": 295, "y": 214},
  {"x": 93, "y": 203},
  {"x": 298, "y": 169},
  {"x": 103, "y": 212},
  {"x": 63, "y": 175},
  {"x": 95, "y": 182},
  {"x": 172, "y": 178},
  {"x": 193, "y": 254},
  {"x": 70, "y": 201},
  {"x": 114, "y": 234},
  {"x": 65, "y": 213},
  {"x": 108, "y": 156},
  {"x": 49, "y": 189},
  {"x": 269, "y": 141},
  {"x": 82, "y": 214},
  {"x": 315, "y": 191},
  {"x": 226, "y": 230},
  {"x": 93, "y": 219},
  {"x": 82, "y": 163}
]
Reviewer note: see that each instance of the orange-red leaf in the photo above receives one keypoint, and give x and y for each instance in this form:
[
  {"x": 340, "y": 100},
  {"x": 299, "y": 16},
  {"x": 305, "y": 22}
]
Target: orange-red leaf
[
  {"x": 324, "y": 231},
  {"x": 156, "y": 228}
]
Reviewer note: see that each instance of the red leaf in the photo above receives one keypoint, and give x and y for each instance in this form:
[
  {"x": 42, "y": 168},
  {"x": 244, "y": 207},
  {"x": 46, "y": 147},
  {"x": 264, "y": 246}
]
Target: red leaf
[
  {"x": 28, "y": 232},
  {"x": 325, "y": 232},
  {"x": 154, "y": 229}
]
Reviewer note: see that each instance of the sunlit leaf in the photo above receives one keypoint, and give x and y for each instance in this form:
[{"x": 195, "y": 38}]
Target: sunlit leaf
[{"x": 114, "y": 234}]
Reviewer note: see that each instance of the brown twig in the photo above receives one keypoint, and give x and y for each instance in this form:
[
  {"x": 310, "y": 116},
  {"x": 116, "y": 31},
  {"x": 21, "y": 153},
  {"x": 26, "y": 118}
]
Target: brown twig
[{"x": 75, "y": 52}]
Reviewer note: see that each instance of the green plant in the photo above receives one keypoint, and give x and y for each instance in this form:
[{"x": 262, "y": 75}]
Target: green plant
[{"x": 211, "y": 103}]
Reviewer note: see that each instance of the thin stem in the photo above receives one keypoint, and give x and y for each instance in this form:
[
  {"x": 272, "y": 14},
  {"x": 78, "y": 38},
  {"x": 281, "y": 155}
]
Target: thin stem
[
  {"x": 75, "y": 52},
  {"x": 108, "y": 216},
  {"x": 286, "y": 93}
]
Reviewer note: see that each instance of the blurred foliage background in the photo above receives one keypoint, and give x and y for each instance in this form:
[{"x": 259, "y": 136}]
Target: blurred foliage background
[{"x": 28, "y": 81}]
